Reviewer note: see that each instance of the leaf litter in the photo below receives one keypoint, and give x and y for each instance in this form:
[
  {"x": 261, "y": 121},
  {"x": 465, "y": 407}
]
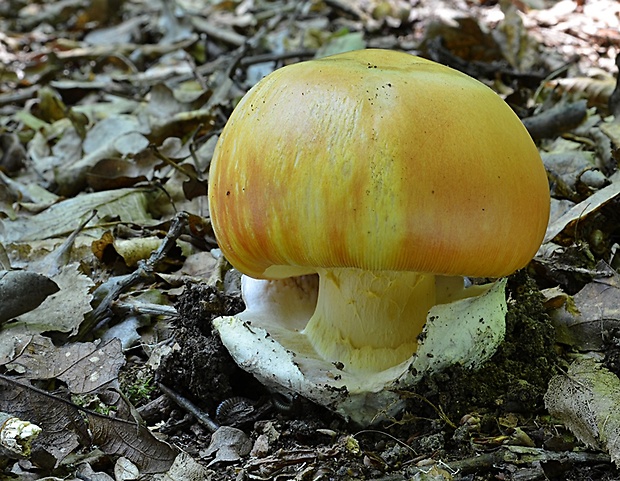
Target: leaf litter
[{"x": 106, "y": 133}]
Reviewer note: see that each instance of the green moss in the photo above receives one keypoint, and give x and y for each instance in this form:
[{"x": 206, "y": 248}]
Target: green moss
[{"x": 515, "y": 378}]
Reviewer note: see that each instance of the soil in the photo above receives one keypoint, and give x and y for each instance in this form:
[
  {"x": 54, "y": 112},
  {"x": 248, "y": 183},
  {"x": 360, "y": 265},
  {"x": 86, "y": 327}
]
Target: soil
[{"x": 474, "y": 425}]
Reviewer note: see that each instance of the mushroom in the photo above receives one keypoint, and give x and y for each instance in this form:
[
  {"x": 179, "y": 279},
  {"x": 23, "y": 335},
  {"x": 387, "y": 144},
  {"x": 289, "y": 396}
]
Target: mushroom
[{"x": 389, "y": 176}]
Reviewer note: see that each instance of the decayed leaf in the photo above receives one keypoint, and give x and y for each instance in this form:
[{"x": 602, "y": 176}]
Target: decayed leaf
[
  {"x": 520, "y": 49},
  {"x": 22, "y": 291},
  {"x": 568, "y": 165},
  {"x": 124, "y": 32},
  {"x": 612, "y": 131},
  {"x": 84, "y": 367},
  {"x": 585, "y": 319},
  {"x": 596, "y": 90},
  {"x": 113, "y": 173},
  {"x": 587, "y": 401},
  {"x": 126, "y": 436},
  {"x": 109, "y": 138},
  {"x": 125, "y": 470},
  {"x": 31, "y": 196},
  {"x": 12, "y": 153},
  {"x": 62, "y": 426},
  {"x": 465, "y": 39}
]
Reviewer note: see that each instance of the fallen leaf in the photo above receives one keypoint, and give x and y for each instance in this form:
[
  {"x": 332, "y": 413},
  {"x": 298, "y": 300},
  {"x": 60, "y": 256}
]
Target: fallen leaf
[
  {"x": 581, "y": 210},
  {"x": 63, "y": 311},
  {"x": 228, "y": 444},
  {"x": 587, "y": 399},
  {"x": 585, "y": 320},
  {"x": 23, "y": 291},
  {"x": 125, "y": 470},
  {"x": 127, "y": 205},
  {"x": 123, "y": 435},
  {"x": 110, "y": 137},
  {"x": 184, "y": 468},
  {"x": 62, "y": 427},
  {"x": 84, "y": 367}
]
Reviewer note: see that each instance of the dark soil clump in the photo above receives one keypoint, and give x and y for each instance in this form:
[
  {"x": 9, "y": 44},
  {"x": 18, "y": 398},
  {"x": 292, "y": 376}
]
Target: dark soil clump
[{"x": 516, "y": 377}]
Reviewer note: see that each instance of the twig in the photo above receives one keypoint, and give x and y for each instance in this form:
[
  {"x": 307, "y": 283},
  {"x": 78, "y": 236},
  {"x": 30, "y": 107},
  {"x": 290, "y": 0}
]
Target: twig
[
  {"x": 519, "y": 455},
  {"x": 114, "y": 287},
  {"x": 275, "y": 57},
  {"x": 226, "y": 35},
  {"x": 18, "y": 96},
  {"x": 202, "y": 417},
  {"x": 556, "y": 120},
  {"x": 144, "y": 308}
]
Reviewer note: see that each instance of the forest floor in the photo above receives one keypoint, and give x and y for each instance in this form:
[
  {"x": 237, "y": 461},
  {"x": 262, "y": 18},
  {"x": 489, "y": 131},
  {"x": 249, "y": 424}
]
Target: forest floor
[{"x": 110, "y": 274}]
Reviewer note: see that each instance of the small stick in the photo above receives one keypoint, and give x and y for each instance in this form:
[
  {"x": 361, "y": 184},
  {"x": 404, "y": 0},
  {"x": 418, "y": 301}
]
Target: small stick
[{"x": 202, "y": 417}]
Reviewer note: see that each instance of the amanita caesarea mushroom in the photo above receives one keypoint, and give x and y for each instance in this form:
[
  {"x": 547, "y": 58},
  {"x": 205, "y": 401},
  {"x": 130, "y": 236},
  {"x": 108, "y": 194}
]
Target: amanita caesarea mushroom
[{"x": 388, "y": 175}]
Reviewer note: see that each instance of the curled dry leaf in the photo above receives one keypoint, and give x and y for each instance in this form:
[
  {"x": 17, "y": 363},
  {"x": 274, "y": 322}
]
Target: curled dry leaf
[
  {"x": 22, "y": 291},
  {"x": 586, "y": 400},
  {"x": 581, "y": 210}
]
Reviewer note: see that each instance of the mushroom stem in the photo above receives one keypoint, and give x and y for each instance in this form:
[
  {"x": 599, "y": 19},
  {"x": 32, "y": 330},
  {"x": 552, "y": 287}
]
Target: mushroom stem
[{"x": 369, "y": 320}]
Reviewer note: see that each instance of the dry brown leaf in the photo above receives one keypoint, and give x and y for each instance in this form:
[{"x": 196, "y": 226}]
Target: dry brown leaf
[
  {"x": 64, "y": 310},
  {"x": 585, "y": 320},
  {"x": 65, "y": 426},
  {"x": 126, "y": 435},
  {"x": 62, "y": 427},
  {"x": 228, "y": 444},
  {"x": 520, "y": 49},
  {"x": 23, "y": 291},
  {"x": 84, "y": 367},
  {"x": 184, "y": 468}
]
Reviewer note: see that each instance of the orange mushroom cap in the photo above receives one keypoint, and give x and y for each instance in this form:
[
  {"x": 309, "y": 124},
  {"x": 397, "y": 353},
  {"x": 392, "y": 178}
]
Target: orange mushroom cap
[{"x": 377, "y": 160}]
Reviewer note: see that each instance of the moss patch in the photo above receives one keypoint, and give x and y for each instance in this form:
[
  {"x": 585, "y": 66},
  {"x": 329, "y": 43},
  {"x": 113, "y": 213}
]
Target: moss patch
[{"x": 515, "y": 378}]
